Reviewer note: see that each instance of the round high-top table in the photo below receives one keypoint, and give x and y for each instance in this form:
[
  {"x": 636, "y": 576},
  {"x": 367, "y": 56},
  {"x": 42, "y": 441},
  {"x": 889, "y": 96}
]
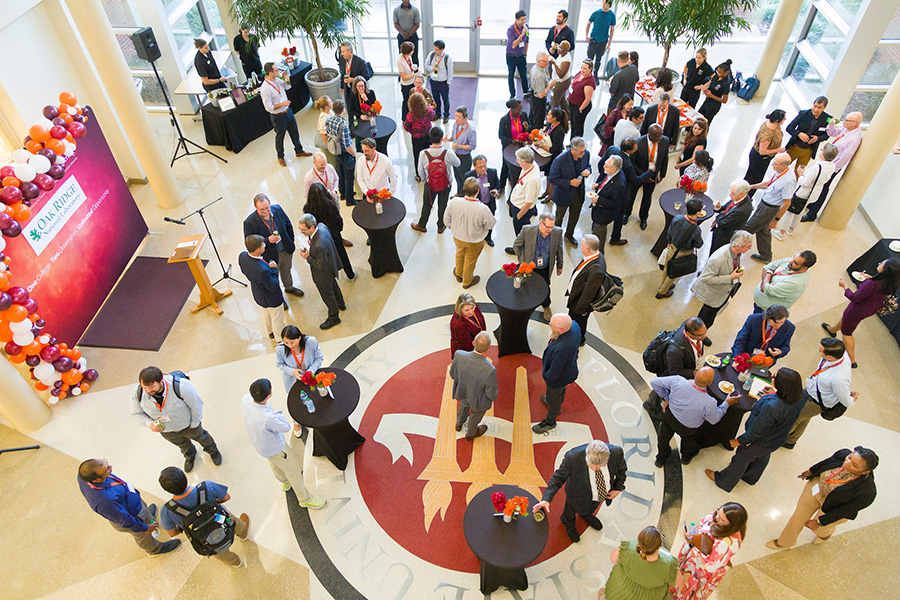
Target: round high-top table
[
  {"x": 727, "y": 428},
  {"x": 382, "y": 230},
  {"x": 333, "y": 436},
  {"x": 515, "y": 307},
  {"x": 509, "y": 157},
  {"x": 504, "y": 549},
  {"x": 667, "y": 202},
  {"x": 384, "y": 126}
]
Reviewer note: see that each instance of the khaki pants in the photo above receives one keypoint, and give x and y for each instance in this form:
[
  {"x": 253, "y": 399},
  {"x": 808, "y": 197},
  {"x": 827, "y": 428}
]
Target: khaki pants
[
  {"x": 144, "y": 539},
  {"x": 668, "y": 283},
  {"x": 808, "y": 506},
  {"x": 466, "y": 256},
  {"x": 273, "y": 321},
  {"x": 809, "y": 410},
  {"x": 287, "y": 466},
  {"x": 229, "y": 557},
  {"x": 801, "y": 155}
]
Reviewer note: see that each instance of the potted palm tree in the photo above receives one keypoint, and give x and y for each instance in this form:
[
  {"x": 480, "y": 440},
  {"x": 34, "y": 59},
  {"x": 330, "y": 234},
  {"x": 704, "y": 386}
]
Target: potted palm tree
[{"x": 322, "y": 20}]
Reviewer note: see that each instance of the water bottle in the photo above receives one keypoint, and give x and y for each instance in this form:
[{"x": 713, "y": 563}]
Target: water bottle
[
  {"x": 727, "y": 360},
  {"x": 307, "y": 402},
  {"x": 692, "y": 530}
]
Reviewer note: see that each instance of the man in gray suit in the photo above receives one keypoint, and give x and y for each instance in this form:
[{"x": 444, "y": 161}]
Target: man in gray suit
[
  {"x": 324, "y": 265},
  {"x": 721, "y": 277},
  {"x": 541, "y": 243},
  {"x": 474, "y": 385}
]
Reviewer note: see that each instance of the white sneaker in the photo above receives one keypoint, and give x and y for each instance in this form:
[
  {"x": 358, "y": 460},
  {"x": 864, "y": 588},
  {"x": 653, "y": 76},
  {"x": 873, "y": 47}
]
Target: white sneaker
[
  {"x": 314, "y": 503},
  {"x": 790, "y": 231},
  {"x": 778, "y": 235}
]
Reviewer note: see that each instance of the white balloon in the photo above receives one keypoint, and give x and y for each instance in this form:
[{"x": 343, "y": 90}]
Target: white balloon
[
  {"x": 21, "y": 155},
  {"x": 53, "y": 399},
  {"x": 44, "y": 372},
  {"x": 45, "y": 122},
  {"x": 24, "y": 172},
  {"x": 40, "y": 164},
  {"x": 23, "y": 339},
  {"x": 75, "y": 391},
  {"x": 72, "y": 110},
  {"x": 83, "y": 362},
  {"x": 60, "y": 160},
  {"x": 44, "y": 339},
  {"x": 21, "y": 326},
  {"x": 2, "y": 243},
  {"x": 70, "y": 148},
  {"x": 2, "y": 267}
]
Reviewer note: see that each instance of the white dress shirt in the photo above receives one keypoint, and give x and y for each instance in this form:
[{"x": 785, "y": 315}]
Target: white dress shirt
[
  {"x": 833, "y": 383},
  {"x": 625, "y": 129},
  {"x": 382, "y": 173},
  {"x": 265, "y": 426},
  {"x": 273, "y": 92}
]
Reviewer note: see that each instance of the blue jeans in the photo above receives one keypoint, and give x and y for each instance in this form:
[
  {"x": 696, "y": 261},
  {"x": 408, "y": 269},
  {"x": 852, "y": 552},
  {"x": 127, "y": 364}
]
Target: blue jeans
[
  {"x": 441, "y": 89},
  {"x": 513, "y": 63},
  {"x": 346, "y": 175}
]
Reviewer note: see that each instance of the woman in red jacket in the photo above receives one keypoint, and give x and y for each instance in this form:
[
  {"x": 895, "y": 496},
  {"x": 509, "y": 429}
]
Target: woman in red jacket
[{"x": 466, "y": 322}]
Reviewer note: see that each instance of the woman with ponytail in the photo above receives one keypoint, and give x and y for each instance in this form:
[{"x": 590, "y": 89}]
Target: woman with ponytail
[{"x": 643, "y": 570}]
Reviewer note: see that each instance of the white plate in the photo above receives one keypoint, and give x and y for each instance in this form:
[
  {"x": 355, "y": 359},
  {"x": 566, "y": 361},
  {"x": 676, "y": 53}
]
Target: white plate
[
  {"x": 858, "y": 275},
  {"x": 895, "y": 245},
  {"x": 714, "y": 361},
  {"x": 726, "y": 387}
]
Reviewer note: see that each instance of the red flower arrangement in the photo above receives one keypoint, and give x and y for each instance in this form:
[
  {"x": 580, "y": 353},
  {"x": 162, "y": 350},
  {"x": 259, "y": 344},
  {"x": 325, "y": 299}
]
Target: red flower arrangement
[
  {"x": 690, "y": 186},
  {"x": 522, "y": 270},
  {"x": 523, "y": 138},
  {"x": 308, "y": 379},
  {"x": 292, "y": 51},
  {"x": 378, "y": 195},
  {"x": 371, "y": 110},
  {"x": 742, "y": 362},
  {"x": 499, "y": 500}
]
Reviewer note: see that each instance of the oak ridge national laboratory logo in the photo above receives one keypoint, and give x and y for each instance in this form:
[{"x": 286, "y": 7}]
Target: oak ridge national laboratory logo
[{"x": 393, "y": 527}]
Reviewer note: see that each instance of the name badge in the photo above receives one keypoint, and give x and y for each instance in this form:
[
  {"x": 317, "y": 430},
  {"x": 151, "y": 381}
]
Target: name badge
[
  {"x": 540, "y": 262},
  {"x": 485, "y": 184},
  {"x": 164, "y": 418},
  {"x": 814, "y": 490},
  {"x": 130, "y": 487}
]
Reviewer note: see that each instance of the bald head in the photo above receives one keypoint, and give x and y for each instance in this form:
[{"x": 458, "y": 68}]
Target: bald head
[
  {"x": 853, "y": 120},
  {"x": 781, "y": 162},
  {"x": 704, "y": 377},
  {"x": 560, "y": 323},
  {"x": 482, "y": 342},
  {"x": 655, "y": 132},
  {"x": 320, "y": 160}
]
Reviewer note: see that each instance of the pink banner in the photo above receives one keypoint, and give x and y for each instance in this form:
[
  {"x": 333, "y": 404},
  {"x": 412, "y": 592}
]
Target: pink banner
[{"x": 79, "y": 239}]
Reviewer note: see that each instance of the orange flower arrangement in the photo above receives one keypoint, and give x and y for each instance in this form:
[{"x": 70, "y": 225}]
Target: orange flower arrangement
[
  {"x": 536, "y": 135},
  {"x": 378, "y": 195},
  {"x": 519, "y": 505},
  {"x": 762, "y": 360},
  {"x": 325, "y": 379}
]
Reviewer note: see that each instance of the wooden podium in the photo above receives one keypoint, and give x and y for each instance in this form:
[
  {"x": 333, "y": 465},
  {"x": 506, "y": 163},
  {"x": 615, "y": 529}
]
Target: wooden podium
[{"x": 188, "y": 250}]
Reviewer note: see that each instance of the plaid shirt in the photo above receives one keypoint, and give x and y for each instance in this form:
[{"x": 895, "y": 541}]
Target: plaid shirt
[{"x": 336, "y": 127}]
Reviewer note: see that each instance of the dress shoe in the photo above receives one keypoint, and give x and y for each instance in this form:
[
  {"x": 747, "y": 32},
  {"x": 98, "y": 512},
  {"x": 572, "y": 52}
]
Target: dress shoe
[
  {"x": 489, "y": 242},
  {"x": 686, "y": 461},
  {"x": 216, "y": 457},
  {"x": 166, "y": 547},
  {"x": 446, "y": 119},
  {"x": 711, "y": 474},
  {"x": 352, "y": 202},
  {"x": 807, "y": 218},
  {"x": 830, "y": 333},
  {"x": 271, "y": 336},
  {"x": 355, "y": 276},
  {"x": 573, "y": 535},
  {"x": 348, "y": 244},
  {"x": 281, "y": 162},
  {"x": 853, "y": 365},
  {"x": 788, "y": 445},
  {"x": 474, "y": 281},
  {"x": 773, "y": 544},
  {"x": 643, "y": 224},
  {"x": 458, "y": 277},
  {"x": 666, "y": 295},
  {"x": 303, "y": 154},
  {"x": 246, "y": 519},
  {"x": 482, "y": 429},
  {"x": 442, "y": 229},
  {"x": 189, "y": 463},
  {"x": 285, "y": 306},
  {"x": 417, "y": 228},
  {"x": 618, "y": 242},
  {"x": 707, "y": 342},
  {"x": 329, "y": 323},
  {"x": 543, "y": 427},
  {"x": 760, "y": 259},
  {"x": 547, "y": 313},
  {"x": 659, "y": 463},
  {"x": 295, "y": 292},
  {"x": 594, "y": 522},
  {"x": 458, "y": 428},
  {"x": 571, "y": 240},
  {"x": 342, "y": 307},
  {"x": 510, "y": 250}
]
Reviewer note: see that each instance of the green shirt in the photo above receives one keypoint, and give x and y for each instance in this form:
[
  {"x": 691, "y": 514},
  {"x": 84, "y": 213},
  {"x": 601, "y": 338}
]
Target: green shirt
[{"x": 634, "y": 578}]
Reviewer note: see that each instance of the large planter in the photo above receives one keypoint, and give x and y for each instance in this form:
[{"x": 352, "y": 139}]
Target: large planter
[{"x": 330, "y": 88}]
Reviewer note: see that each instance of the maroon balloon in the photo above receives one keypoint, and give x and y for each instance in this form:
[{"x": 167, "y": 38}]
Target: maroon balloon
[
  {"x": 32, "y": 361},
  {"x": 57, "y": 384},
  {"x": 31, "y": 305},
  {"x": 35, "y": 332},
  {"x": 12, "y": 348},
  {"x": 56, "y": 391},
  {"x": 5, "y": 220},
  {"x": 48, "y": 154},
  {"x": 77, "y": 129},
  {"x": 10, "y": 195},
  {"x": 58, "y": 132},
  {"x": 58, "y": 121},
  {"x": 19, "y": 294},
  {"x": 5, "y": 301},
  {"x": 91, "y": 374},
  {"x": 62, "y": 364},
  {"x": 30, "y": 190},
  {"x": 40, "y": 323},
  {"x": 42, "y": 181},
  {"x": 78, "y": 118},
  {"x": 26, "y": 202},
  {"x": 56, "y": 171},
  {"x": 53, "y": 340},
  {"x": 7, "y": 171},
  {"x": 49, "y": 353},
  {"x": 50, "y": 112},
  {"x": 13, "y": 230}
]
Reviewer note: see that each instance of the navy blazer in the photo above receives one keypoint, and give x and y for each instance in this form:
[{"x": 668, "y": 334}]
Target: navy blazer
[
  {"x": 749, "y": 338},
  {"x": 631, "y": 175},
  {"x": 641, "y": 156},
  {"x": 254, "y": 225},
  {"x": 578, "y": 479},
  {"x": 493, "y": 184},
  {"x": 560, "y": 359},
  {"x": 562, "y": 171},
  {"x": 263, "y": 280},
  {"x": 670, "y": 127},
  {"x": 610, "y": 201}
]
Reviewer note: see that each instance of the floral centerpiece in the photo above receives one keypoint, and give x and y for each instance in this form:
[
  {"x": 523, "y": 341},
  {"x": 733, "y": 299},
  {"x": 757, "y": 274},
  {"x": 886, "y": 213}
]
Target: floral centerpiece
[
  {"x": 290, "y": 55},
  {"x": 691, "y": 187},
  {"x": 762, "y": 360},
  {"x": 519, "y": 272},
  {"x": 499, "y": 501},
  {"x": 536, "y": 136},
  {"x": 324, "y": 381},
  {"x": 514, "y": 507},
  {"x": 741, "y": 363},
  {"x": 523, "y": 138},
  {"x": 371, "y": 110},
  {"x": 378, "y": 197}
]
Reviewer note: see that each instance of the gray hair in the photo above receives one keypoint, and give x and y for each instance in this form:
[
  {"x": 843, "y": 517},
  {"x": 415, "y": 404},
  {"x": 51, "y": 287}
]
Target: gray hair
[
  {"x": 577, "y": 143},
  {"x": 319, "y": 153},
  {"x": 597, "y": 453},
  {"x": 591, "y": 241},
  {"x": 347, "y": 45},
  {"x": 463, "y": 111},
  {"x": 547, "y": 216},
  {"x": 740, "y": 238},
  {"x": 541, "y": 54},
  {"x": 419, "y": 76},
  {"x": 664, "y": 97},
  {"x": 739, "y": 186},
  {"x": 525, "y": 155},
  {"x": 829, "y": 151},
  {"x": 307, "y": 220},
  {"x": 616, "y": 161}
]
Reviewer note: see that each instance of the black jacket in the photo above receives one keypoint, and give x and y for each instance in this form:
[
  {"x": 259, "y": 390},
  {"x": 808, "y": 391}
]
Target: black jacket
[
  {"x": 804, "y": 122},
  {"x": 733, "y": 218},
  {"x": 566, "y": 34},
  {"x": 623, "y": 82},
  {"x": 684, "y": 235},
  {"x": 354, "y": 108},
  {"x": 670, "y": 127},
  {"x": 263, "y": 280},
  {"x": 641, "y": 157},
  {"x": 357, "y": 68},
  {"x": 563, "y": 170},
  {"x": 578, "y": 478},
  {"x": 845, "y": 501},
  {"x": 586, "y": 286},
  {"x": 631, "y": 175},
  {"x": 493, "y": 184},
  {"x": 680, "y": 356},
  {"x": 323, "y": 259},
  {"x": 610, "y": 201},
  {"x": 254, "y": 225},
  {"x": 505, "y": 132}
]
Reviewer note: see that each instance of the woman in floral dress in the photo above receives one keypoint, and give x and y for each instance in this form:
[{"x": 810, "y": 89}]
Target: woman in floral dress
[{"x": 706, "y": 557}]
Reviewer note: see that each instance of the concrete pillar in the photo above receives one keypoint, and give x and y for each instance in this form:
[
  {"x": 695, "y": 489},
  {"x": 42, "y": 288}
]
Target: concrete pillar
[
  {"x": 880, "y": 137},
  {"x": 19, "y": 403},
  {"x": 98, "y": 38},
  {"x": 231, "y": 31},
  {"x": 170, "y": 65},
  {"x": 866, "y": 31},
  {"x": 779, "y": 33}
]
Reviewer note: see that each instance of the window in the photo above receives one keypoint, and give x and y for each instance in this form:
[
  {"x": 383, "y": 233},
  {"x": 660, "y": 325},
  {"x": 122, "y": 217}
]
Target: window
[
  {"x": 825, "y": 38},
  {"x": 121, "y": 13},
  {"x": 187, "y": 28}
]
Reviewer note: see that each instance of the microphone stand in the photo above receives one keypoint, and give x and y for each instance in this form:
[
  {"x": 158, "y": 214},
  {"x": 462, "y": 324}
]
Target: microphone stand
[{"x": 226, "y": 273}]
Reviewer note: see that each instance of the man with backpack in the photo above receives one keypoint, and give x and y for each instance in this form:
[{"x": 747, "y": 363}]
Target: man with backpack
[
  {"x": 586, "y": 282},
  {"x": 198, "y": 512},
  {"x": 169, "y": 405},
  {"x": 435, "y": 166},
  {"x": 674, "y": 353}
]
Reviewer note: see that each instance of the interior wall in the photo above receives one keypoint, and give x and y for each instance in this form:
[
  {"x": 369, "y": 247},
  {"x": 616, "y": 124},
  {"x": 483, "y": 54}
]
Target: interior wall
[{"x": 880, "y": 201}]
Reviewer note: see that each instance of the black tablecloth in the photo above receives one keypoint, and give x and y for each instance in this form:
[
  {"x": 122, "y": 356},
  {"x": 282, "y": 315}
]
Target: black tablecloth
[
  {"x": 385, "y": 128},
  {"x": 509, "y": 155},
  {"x": 515, "y": 307},
  {"x": 382, "y": 230},
  {"x": 333, "y": 436},
  {"x": 727, "y": 428},
  {"x": 868, "y": 263},
  {"x": 298, "y": 94},
  {"x": 504, "y": 549},
  {"x": 237, "y": 127},
  {"x": 667, "y": 202}
]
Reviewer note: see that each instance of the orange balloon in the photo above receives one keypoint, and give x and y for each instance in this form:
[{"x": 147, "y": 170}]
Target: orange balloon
[
  {"x": 57, "y": 146},
  {"x": 72, "y": 377},
  {"x": 5, "y": 333},
  {"x": 62, "y": 395},
  {"x": 33, "y": 146},
  {"x": 10, "y": 181},
  {"x": 15, "y": 313},
  {"x": 85, "y": 387},
  {"x": 68, "y": 98},
  {"x": 78, "y": 109},
  {"x": 4, "y": 281},
  {"x": 69, "y": 138},
  {"x": 74, "y": 353},
  {"x": 39, "y": 133},
  {"x": 41, "y": 387},
  {"x": 18, "y": 358},
  {"x": 64, "y": 387},
  {"x": 66, "y": 117},
  {"x": 63, "y": 346},
  {"x": 33, "y": 348},
  {"x": 21, "y": 213}
]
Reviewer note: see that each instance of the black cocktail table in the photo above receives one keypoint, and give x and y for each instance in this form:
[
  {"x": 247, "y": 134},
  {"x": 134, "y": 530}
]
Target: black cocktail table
[
  {"x": 333, "y": 436},
  {"x": 384, "y": 129},
  {"x": 515, "y": 307},
  {"x": 727, "y": 428},
  {"x": 504, "y": 549},
  {"x": 667, "y": 202},
  {"x": 382, "y": 230}
]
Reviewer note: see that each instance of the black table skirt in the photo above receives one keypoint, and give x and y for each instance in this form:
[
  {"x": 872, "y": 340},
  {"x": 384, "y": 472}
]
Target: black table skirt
[
  {"x": 868, "y": 263},
  {"x": 515, "y": 308},
  {"x": 337, "y": 442},
  {"x": 299, "y": 92},
  {"x": 238, "y": 127},
  {"x": 385, "y": 128},
  {"x": 382, "y": 231},
  {"x": 493, "y": 578},
  {"x": 667, "y": 202},
  {"x": 727, "y": 428}
]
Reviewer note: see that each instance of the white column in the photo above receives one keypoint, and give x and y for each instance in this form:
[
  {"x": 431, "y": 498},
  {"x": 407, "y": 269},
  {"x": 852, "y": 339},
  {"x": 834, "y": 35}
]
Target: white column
[
  {"x": 19, "y": 403},
  {"x": 776, "y": 39}
]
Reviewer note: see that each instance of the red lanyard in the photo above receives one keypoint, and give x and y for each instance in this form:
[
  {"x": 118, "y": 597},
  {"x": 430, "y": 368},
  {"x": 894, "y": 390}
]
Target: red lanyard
[
  {"x": 767, "y": 338},
  {"x": 578, "y": 78},
  {"x": 839, "y": 481},
  {"x": 698, "y": 388},
  {"x": 409, "y": 62},
  {"x": 456, "y": 137},
  {"x": 475, "y": 321},
  {"x": 302, "y": 356},
  {"x": 785, "y": 273},
  {"x": 524, "y": 175},
  {"x": 374, "y": 164},
  {"x": 556, "y": 33},
  {"x": 349, "y": 63},
  {"x": 116, "y": 481},
  {"x": 272, "y": 229},
  {"x": 697, "y": 346},
  {"x": 820, "y": 369},
  {"x": 605, "y": 181},
  {"x": 320, "y": 178},
  {"x": 776, "y": 177},
  {"x": 362, "y": 100},
  {"x": 438, "y": 63},
  {"x": 834, "y": 141},
  {"x": 274, "y": 87}
]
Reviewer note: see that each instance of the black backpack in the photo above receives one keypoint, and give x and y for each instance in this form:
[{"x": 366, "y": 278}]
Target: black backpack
[
  {"x": 654, "y": 354},
  {"x": 208, "y": 525},
  {"x": 609, "y": 294},
  {"x": 177, "y": 376}
]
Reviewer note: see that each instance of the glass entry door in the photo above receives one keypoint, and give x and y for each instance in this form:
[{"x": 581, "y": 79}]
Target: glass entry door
[{"x": 455, "y": 24}]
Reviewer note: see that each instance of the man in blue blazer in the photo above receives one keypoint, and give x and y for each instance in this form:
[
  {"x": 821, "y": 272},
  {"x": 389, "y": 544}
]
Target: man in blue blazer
[
  {"x": 592, "y": 473},
  {"x": 263, "y": 278},
  {"x": 567, "y": 174},
  {"x": 560, "y": 367},
  {"x": 633, "y": 179},
  {"x": 769, "y": 331},
  {"x": 270, "y": 221}
]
